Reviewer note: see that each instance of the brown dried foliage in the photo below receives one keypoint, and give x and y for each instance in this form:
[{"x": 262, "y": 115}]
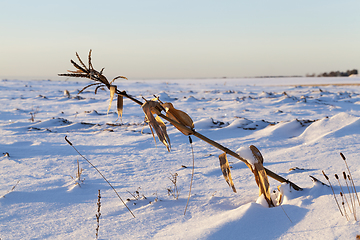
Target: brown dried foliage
[
  {"x": 152, "y": 107},
  {"x": 225, "y": 168},
  {"x": 261, "y": 176},
  {"x": 179, "y": 117}
]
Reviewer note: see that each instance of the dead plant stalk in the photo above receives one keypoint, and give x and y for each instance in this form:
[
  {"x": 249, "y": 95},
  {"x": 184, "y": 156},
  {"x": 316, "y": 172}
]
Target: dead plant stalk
[{"x": 89, "y": 72}]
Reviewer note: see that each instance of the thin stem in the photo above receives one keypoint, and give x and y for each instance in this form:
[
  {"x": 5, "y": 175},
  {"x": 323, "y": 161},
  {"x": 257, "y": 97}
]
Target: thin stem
[
  {"x": 337, "y": 177},
  {"x": 343, "y": 157},
  {"x": 67, "y": 140},
  {"x": 192, "y": 173},
  {"x": 327, "y": 178},
  {"x": 351, "y": 196},
  {"x": 347, "y": 217}
]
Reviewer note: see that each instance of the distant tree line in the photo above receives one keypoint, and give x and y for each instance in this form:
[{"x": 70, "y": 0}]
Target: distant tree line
[{"x": 335, "y": 74}]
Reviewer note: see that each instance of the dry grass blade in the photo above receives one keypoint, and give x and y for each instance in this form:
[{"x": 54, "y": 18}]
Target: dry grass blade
[
  {"x": 225, "y": 168},
  {"x": 180, "y": 117},
  {"x": 112, "y": 93},
  {"x": 150, "y": 107},
  {"x": 120, "y": 106}
]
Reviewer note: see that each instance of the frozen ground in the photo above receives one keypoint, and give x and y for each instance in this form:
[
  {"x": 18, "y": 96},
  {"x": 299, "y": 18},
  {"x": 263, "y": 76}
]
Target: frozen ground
[{"x": 301, "y": 127}]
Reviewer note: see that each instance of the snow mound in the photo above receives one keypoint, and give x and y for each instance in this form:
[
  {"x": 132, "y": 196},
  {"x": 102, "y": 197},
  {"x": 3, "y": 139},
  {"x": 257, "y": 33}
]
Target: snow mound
[
  {"x": 208, "y": 123},
  {"x": 164, "y": 97},
  {"x": 341, "y": 123},
  {"x": 190, "y": 99}
]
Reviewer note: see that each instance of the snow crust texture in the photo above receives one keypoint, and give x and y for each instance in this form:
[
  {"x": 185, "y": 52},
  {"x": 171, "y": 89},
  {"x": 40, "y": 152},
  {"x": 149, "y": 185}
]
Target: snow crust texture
[{"x": 300, "y": 131}]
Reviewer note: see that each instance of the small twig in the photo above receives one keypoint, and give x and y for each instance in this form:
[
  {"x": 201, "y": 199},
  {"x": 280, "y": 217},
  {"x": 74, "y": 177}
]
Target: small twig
[
  {"x": 192, "y": 174},
  {"x": 174, "y": 192},
  {"x": 101, "y": 175},
  {"x": 133, "y": 195},
  {"x": 98, "y": 216},
  {"x": 12, "y": 189}
]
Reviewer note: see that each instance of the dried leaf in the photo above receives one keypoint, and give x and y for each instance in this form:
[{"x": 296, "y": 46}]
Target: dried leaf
[
  {"x": 117, "y": 78},
  {"x": 263, "y": 182},
  {"x": 163, "y": 127},
  {"x": 78, "y": 67},
  {"x": 96, "y": 89},
  {"x": 89, "y": 58},
  {"x": 150, "y": 107},
  {"x": 102, "y": 78},
  {"x": 257, "y": 154},
  {"x": 87, "y": 72},
  {"x": 79, "y": 75},
  {"x": 77, "y": 71},
  {"x": 81, "y": 62},
  {"x": 225, "y": 168},
  {"x": 112, "y": 93},
  {"x": 180, "y": 117},
  {"x": 87, "y": 87},
  {"x": 120, "y": 106}
]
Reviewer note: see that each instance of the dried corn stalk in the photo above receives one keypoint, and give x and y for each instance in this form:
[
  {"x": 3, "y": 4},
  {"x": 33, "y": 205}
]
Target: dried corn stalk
[
  {"x": 225, "y": 168},
  {"x": 150, "y": 108},
  {"x": 179, "y": 117}
]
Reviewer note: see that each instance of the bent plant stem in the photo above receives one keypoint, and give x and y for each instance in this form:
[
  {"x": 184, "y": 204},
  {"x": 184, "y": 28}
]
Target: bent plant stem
[
  {"x": 89, "y": 72},
  {"x": 70, "y": 143}
]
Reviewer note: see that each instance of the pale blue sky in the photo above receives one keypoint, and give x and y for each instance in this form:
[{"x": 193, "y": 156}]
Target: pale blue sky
[{"x": 179, "y": 39}]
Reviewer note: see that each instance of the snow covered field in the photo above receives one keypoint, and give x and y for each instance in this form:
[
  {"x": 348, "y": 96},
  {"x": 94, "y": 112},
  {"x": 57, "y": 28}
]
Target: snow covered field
[{"x": 300, "y": 127}]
